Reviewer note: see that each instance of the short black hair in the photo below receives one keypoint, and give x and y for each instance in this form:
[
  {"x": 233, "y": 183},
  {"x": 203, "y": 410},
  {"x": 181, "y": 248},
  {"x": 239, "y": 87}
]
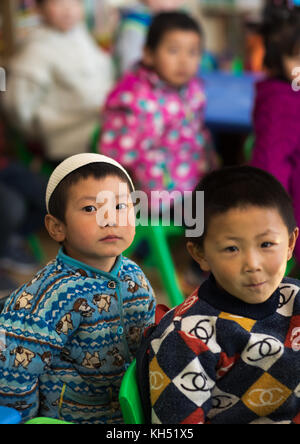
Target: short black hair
[
  {"x": 170, "y": 21},
  {"x": 59, "y": 199},
  {"x": 240, "y": 187},
  {"x": 281, "y": 34}
]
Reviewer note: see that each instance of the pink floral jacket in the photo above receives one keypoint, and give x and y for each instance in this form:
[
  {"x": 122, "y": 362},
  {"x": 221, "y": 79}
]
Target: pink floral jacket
[{"x": 157, "y": 132}]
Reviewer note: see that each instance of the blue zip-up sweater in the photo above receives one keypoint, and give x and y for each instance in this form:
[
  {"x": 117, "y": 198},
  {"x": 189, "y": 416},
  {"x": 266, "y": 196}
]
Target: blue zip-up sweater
[{"x": 67, "y": 337}]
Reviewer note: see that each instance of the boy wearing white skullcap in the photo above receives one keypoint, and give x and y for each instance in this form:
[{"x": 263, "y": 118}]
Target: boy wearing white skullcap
[{"x": 71, "y": 332}]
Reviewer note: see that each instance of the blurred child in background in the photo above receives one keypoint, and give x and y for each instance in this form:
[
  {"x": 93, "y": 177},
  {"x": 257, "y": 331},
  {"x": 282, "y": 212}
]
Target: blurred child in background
[
  {"x": 153, "y": 119},
  {"x": 277, "y": 107},
  {"x": 134, "y": 27},
  {"x": 59, "y": 80}
]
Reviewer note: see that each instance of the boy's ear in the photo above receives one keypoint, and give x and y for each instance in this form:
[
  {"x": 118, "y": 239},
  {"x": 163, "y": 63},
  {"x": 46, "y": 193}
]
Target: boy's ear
[
  {"x": 147, "y": 57},
  {"x": 55, "y": 228},
  {"x": 292, "y": 242},
  {"x": 198, "y": 255}
]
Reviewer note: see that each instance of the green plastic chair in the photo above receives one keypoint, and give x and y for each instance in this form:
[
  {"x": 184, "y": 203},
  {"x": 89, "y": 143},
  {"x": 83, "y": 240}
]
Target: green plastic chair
[
  {"x": 160, "y": 256},
  {"x": 129, "y": 397},
  {"x": 43, "y": 420}
]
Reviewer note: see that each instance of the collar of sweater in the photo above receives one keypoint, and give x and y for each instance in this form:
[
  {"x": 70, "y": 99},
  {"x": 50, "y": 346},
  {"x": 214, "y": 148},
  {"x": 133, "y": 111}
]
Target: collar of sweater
[
  {"x": 91, "y": 271},
  {"x": 224, "y": 301}
]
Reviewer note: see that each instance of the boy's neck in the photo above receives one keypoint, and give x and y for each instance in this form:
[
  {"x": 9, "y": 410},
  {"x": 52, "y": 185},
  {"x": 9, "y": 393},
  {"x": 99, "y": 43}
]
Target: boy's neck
[
  {"x": 105, "y": 264},
  {"x": 221, "y": 300}
]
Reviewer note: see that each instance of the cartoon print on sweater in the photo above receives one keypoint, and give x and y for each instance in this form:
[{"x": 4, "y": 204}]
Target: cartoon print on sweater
[
  {"x": 20, "y": 406},
  {"x": 65, "y": 324},
  {"x": 23, "y": 356},
  {"x": 103, "y": 301},
  {"x": 81, "y": 306},
  {"x": 23, "y": 301},
  {"x": 119, "y": 360},
  {"x": 143, "y": 282},
  {"x": 46, "y": 358},
  {"x": 133, "y": 286},
  {"x": 93, "y": 361}
]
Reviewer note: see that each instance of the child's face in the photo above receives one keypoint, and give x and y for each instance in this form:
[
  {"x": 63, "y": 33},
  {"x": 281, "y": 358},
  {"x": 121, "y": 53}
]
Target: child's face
[
  {"x": 98, "y": 227},
  {"x": 176, "y": 59},
  {"x": 247, "y": 251},
  {"x": 62, "y": 14},
  {"x": 163, "y": 5}
]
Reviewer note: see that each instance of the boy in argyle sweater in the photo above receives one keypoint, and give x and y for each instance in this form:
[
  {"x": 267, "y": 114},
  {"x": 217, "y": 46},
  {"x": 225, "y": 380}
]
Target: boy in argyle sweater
[{"x": 230, "y": 354}]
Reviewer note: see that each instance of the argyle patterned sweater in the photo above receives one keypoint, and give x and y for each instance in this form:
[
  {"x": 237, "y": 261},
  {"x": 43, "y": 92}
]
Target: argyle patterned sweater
[
  {"x": 216, "y": 359},
  {"x": 67, "y": 337}
]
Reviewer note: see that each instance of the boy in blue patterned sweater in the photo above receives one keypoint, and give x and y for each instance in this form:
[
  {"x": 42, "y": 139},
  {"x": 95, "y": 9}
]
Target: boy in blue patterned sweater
[
  {"x": 230, "y": 354},
  {"x": 68, "y": 335}
]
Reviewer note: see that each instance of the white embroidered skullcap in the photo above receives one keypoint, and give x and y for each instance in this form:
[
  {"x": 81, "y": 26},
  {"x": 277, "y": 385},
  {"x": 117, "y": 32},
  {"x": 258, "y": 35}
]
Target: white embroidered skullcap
[{"x": 73, "y": 163}]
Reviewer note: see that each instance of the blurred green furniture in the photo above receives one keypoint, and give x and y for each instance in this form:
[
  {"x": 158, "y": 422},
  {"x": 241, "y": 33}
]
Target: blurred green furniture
[
  {"x": 160, "y": 256},
  {"x": 43, "y": 420},
  {"x": 129, "y": 397}
]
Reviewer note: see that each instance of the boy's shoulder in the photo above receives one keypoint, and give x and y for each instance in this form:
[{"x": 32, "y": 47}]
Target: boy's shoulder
[
  {"x": 59, "y": 280},
  {"x": 191, "y": 307},
  {"x": 50, "y": 277},
  {"x": 54, "y": 272},
  {"x": 62, "y": 274}
]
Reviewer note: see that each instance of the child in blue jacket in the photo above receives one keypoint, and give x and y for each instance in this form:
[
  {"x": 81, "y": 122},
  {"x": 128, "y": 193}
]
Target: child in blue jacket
[{"x": 68, "y": 335}]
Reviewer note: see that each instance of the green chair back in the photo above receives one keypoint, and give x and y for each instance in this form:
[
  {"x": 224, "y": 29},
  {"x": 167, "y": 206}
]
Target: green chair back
[
  {"x": 94, "y": 141},
  {"x": 289, "y": 266},
  {"x": 129, "y": 397},
  {"x": 45, "y": 420},
  {"x": 161, "y": 257}
]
